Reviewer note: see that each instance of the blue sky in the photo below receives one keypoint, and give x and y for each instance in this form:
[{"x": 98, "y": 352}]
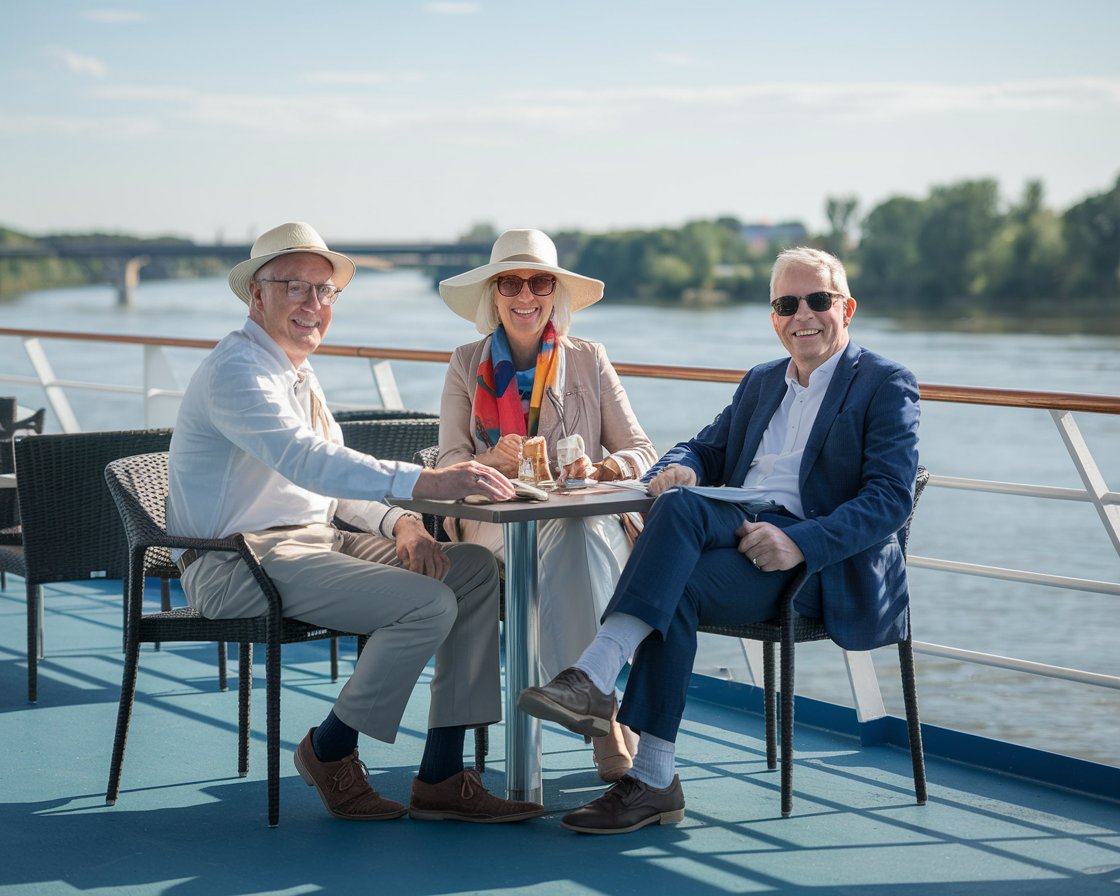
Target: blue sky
[{"x": 414, "y": 120}]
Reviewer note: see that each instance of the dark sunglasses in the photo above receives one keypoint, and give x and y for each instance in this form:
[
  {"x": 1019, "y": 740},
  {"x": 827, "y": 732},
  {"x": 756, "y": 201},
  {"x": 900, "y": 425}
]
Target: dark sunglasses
[
  {"x": 509, "y": 285},
  {"x": 786, "y": 306}
]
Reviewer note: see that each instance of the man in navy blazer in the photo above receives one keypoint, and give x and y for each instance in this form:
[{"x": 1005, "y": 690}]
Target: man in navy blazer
[{"x": 812, "y": 462}]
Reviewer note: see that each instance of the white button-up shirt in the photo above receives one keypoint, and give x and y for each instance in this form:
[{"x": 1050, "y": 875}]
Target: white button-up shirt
[
  {"x": 776, "y": 467},
  {"x": 245, "y": 456}
]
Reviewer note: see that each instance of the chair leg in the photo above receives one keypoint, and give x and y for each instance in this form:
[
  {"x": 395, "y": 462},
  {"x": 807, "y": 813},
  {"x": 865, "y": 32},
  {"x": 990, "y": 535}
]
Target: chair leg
[
  {"x": 481, "y": 747},
  {"x": 787, "y": 715},
  {"x": 164, "y": 600},
  {"x": 124, "y": 716},
  {"x": 913, "y": 722},
  {"x": 769, "y": 704},
  {"x": 34, "y": 597},
  {"x": 272, "y": 723},
  {"x": 223, "y": 670},
  {"x": 244, "y": 701}
]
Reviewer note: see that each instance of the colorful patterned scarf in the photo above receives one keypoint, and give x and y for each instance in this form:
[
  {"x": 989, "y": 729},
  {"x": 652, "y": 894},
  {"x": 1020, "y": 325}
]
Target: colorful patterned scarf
[{"x": 497, "y": 402}]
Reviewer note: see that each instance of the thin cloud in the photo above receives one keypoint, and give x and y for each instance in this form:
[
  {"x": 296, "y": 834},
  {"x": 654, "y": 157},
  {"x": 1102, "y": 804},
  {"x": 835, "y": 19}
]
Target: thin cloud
[
  {"x": 448, "y": 8},
  {"x": 358, "y": 78},
  {"x": 156, "y": 109},
  {"x": 114, "y": 16},
  {"x": 81, "y": 65},
  {"x": 676, "y": 60}
]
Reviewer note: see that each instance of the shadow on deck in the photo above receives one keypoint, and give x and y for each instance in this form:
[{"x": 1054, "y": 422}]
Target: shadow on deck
[{"x": 186, "y": 824}]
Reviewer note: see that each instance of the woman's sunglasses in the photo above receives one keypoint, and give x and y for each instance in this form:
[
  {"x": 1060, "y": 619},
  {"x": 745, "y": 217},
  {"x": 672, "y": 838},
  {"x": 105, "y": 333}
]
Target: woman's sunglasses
[{"x": 509, "y": 285}]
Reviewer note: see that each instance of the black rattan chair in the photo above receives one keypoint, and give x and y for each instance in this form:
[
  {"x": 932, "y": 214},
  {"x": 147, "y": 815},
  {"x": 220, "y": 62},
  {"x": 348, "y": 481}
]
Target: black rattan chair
[
  {"x": 139, "y": 488},
  {"x": 11, "y": 534},
  {"x": 789, "y": 629},
  {"x": 352, "y": 414},
  {"x": 70, "y": 528},
  {"x": 393, "y": 439}
]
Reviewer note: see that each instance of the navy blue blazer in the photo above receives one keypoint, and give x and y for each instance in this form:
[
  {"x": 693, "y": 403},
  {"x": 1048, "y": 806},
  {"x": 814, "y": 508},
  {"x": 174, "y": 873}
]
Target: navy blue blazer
[{"x": 857, "y": 487}]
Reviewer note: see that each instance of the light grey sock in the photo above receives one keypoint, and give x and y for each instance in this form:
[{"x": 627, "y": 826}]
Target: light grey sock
[
  {"x": 612, "y": 648},
  {"x": 655, "y": 763}
]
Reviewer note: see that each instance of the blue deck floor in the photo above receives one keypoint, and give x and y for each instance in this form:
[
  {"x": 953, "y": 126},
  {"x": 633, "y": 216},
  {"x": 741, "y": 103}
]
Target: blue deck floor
[{"x": 186, "y": 824}]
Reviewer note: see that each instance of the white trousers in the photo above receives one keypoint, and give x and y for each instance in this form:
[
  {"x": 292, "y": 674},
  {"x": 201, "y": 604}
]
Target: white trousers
[
  {"x": 353, "y": 582},
  {"x": 579, "y": 562}
]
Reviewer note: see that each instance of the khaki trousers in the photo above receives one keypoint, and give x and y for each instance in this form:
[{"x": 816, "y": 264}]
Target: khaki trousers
[{"x": 354, "y": 582}]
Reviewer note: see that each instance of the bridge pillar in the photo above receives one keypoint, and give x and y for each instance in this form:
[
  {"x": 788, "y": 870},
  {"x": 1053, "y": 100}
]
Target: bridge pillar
[{"x": 129, "y": 280}]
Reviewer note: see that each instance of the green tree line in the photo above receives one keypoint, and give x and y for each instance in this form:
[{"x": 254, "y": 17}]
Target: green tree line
[{"x": 960, "y": 247}]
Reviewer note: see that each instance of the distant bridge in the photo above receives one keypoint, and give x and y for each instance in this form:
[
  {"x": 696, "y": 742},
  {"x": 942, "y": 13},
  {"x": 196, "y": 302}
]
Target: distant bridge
[{"x": 127, "y": 258}]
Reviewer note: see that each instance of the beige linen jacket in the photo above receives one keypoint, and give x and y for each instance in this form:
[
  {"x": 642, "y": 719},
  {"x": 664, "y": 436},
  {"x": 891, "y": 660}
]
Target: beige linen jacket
[{"x": 586, "y": 398}]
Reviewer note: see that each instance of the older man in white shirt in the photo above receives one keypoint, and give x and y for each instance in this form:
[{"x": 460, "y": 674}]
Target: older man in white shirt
[{"x": 256, "y": 451}]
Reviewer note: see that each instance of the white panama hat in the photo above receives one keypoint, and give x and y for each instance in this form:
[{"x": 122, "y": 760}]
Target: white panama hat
[
  {"x": 516, "y": 250},
  {"x": 287, "y": 239}
]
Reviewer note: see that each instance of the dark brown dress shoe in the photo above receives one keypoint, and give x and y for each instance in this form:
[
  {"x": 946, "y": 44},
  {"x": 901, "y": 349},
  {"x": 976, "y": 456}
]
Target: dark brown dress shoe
[
  {"x": 463, "y": 798},
  {"x": 343, "y": 786},
  {"x": 573, "y": 701},
  {"x": 627, "y": 806}
]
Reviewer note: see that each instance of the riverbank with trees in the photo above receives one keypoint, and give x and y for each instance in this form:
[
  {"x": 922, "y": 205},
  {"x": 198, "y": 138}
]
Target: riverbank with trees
[{"x": 960, "y": 258}]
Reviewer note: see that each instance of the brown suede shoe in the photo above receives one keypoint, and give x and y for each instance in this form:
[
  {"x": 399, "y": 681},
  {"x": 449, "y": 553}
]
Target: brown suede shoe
[
  {"x": 463, "y": 798},
  {"x": 573, "y": 701},
  {"x": 627, "y": 806},
  {"x": 343, "y": 786},
  {"x": 614, "y": 754}
]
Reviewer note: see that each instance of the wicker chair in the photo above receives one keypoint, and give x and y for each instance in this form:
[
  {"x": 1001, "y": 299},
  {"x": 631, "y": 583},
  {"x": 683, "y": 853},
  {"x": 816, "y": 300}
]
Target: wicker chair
[
  {"x": 11, "y": 534},
  {"x": 70, "y": 528},
  {"x": 789, "y": 629},
  {"x": 139, "y": 488},
  {"x": 393, "y": 439},
  {"x": 382, "y": 414}
]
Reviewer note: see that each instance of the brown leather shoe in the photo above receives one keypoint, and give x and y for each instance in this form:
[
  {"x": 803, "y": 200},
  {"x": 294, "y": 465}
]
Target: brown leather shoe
[
  {"x": 627, "y": 806},
  {"x": 343, "y": 786},
  {"x": 463, "y": 798},
  {"x": 573, "y": 701}
]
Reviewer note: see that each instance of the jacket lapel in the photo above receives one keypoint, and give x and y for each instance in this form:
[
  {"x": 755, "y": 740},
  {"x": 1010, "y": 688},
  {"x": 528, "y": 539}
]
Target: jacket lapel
[
  {"x": 830, "y": 407},
  {"x": 769, "y": 391}
]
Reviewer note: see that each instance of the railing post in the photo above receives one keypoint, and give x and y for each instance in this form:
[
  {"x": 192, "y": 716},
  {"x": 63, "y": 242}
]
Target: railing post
[
  {"x": 55, "y": 396},
  {"x": 385, "y": 383},
  {"x": 161, "y": 391},
  {"x": 866, "y": 696},
  {"x": 1090, "y": 473}
]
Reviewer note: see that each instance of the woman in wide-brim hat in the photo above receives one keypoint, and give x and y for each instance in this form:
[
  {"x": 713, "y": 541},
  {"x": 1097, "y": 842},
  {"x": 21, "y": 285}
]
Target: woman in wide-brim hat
[{"x": 528, "y": 377}]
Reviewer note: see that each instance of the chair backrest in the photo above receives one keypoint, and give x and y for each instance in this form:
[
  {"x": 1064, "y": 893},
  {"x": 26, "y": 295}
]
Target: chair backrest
[
  {"x": 71, "y": 527},
  {"x": 382, "y": 414},
  {"x": 390, "y": 439},
  {"x": 139, "y": 486}
]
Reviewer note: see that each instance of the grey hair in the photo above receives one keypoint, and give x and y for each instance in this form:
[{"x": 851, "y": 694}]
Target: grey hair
[
  {"x": 486, "y": 319},
  {"x": 806, "y": 257}
]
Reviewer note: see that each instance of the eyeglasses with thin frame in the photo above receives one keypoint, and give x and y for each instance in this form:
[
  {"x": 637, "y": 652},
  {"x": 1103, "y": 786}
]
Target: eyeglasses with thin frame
[
  {"x": 786, "y": 306},
  {"x": 326, "y": 293},
  {"x": 509, "y": 285}
]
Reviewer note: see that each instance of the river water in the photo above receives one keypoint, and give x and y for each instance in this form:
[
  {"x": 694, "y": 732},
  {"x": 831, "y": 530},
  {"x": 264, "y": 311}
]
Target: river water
[{"x": 1065, "y": 628}]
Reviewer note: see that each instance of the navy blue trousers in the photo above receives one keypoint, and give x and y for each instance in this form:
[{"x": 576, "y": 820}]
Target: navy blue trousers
[{"x": 686, "y": 571}]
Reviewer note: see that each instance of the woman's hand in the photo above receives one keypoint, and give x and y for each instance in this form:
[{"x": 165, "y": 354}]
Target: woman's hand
[
  {"x": 580, "y": 468},
  {"x": 504, "y": 457}
]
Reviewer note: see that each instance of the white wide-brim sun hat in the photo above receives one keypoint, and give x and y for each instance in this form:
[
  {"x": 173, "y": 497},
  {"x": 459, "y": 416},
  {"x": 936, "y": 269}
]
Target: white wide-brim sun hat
[
  {"x": 516, "y": 250},
  {"x": 287, "y": 239}
]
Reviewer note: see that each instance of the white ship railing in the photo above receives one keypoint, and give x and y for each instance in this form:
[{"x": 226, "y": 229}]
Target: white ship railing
[{"x": 161, "y": 393}]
